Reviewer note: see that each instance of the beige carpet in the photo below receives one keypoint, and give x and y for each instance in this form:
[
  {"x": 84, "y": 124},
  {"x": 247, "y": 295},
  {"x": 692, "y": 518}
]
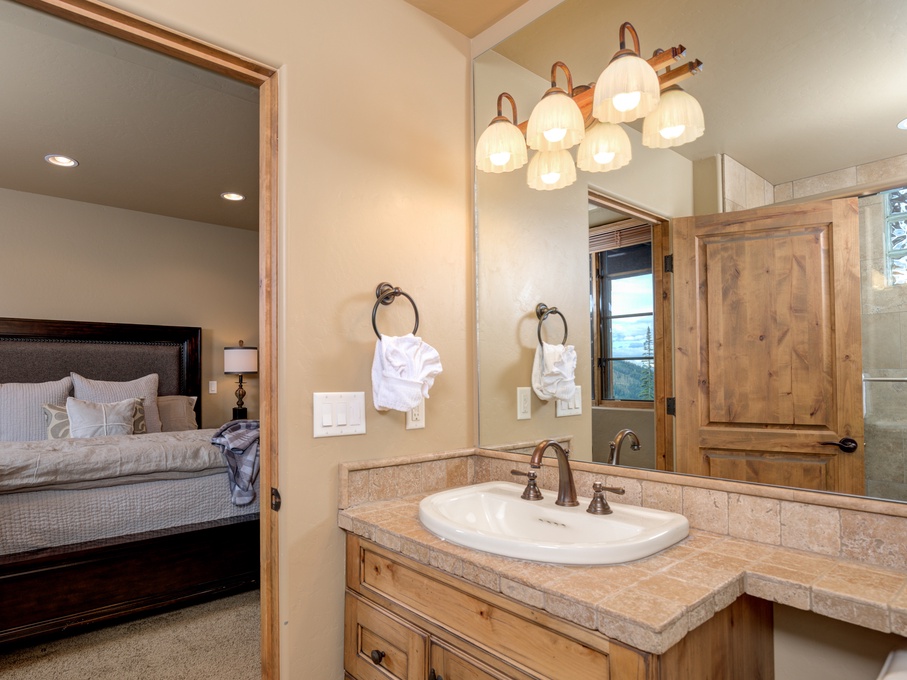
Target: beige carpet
[{"x": 209, "y": 641}]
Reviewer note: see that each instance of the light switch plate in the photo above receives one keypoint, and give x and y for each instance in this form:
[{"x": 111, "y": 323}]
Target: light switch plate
[
  {"x": 336, "y": 414},
  {"x": 523, "y": 403},
  {"x": 571, "y": 407}
]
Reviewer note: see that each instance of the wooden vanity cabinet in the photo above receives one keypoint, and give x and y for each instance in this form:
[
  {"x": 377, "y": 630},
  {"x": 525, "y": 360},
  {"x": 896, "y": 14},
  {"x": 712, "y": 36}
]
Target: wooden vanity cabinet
[{"x": 407, "y": 621}]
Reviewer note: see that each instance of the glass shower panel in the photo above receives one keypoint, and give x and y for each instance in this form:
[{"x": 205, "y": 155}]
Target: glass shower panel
[{"x": 883, "y": 253}]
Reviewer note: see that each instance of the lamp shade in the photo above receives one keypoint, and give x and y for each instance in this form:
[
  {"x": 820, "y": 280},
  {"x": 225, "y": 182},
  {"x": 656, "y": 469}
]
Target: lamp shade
[
  {"x": 626, "y": 90},
  {"x": 606, "y": 147},
  {"x": 240, "y": 360},
  {"x": 676, "y": 120},
  {"x": 556, "y": 123},
  {"x": 501, "y": 147},
  {"x": 551, "y": 170}
]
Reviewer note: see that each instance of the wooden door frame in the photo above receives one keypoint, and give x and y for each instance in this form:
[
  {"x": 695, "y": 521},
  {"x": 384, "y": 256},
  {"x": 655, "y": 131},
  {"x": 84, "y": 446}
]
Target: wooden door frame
[
  {"x": 662, "y": 321},
  {"x": 135, "y": 29}
]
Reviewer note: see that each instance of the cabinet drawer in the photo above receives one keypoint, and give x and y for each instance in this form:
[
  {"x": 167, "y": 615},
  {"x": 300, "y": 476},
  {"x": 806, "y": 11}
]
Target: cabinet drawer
[
  {"x": 450, "y": 664},
  {"x": 540, "y": 651},
  {"x": 379, "y": 646}
]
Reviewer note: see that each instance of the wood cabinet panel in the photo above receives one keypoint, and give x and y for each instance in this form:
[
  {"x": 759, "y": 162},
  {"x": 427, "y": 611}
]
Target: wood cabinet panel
[
  {"x": 379, "y": 646},
  {"x": 542, "y": 651},
  {"x": 450, "y": 664}
]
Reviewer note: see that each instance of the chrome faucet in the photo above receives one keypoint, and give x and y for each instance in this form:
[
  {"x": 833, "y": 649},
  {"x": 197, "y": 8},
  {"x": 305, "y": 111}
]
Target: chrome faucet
[
  {"x": 566, "y": 489},
  {"x": 614, "y": 458}
]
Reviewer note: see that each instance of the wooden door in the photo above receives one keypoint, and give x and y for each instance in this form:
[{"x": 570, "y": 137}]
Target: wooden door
[{"x": 768, "y": 350}]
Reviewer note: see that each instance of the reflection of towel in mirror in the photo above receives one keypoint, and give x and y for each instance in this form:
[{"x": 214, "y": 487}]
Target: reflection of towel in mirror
[
  {"x": 554, "y": 371},
  {"x": 238, "y": 441},
  {"x": 403, "y": 371}
]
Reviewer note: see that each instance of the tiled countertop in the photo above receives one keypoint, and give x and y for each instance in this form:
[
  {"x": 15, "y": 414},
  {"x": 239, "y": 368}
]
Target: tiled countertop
[{"x": 652, "y": 603}]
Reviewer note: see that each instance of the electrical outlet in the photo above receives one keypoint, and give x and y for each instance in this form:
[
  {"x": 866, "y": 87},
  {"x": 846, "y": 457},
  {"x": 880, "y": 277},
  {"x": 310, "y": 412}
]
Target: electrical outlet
[
  {"x": 523, "y": 403},
  {"x": 415, "y": 418},
  {"x": 570, "y": 407}
]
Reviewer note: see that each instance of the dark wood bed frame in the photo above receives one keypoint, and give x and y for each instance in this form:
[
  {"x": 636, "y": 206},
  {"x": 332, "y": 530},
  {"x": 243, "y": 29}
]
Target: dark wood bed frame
[{"x": 67, "y": 589}]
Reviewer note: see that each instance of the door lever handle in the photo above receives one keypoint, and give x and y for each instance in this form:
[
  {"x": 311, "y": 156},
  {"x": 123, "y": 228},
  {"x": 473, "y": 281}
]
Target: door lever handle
[{"x": 847, "y": 445}]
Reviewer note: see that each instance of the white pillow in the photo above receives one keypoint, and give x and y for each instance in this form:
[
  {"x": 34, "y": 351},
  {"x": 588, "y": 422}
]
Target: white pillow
[
  {"x": 177, "y": 413},
  {"x": 21, "y": 415},
  {"x": 107, "y": 392},
  {"x": 56, "y": 420},
  {"x": 91, "y": 419}
]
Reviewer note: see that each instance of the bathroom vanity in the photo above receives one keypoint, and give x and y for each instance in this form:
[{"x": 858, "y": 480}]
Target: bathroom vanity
[
  {"x": 701, "y": 608},
  {"x": 408, "y": 620}
]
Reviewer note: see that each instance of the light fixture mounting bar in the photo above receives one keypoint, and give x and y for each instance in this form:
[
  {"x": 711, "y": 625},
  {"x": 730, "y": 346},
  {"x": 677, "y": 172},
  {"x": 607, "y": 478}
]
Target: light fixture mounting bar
[
  {"x": 681, "y": 73},
  {"x": 667, "y": 57}
]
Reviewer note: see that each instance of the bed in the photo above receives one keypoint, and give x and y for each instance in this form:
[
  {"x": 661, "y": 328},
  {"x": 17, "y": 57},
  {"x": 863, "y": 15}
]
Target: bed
[{"x": 153, "y": 525}]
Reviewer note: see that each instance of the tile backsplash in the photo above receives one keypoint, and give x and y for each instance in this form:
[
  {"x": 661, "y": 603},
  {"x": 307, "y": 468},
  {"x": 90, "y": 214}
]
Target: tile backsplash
[{"x": 867, "y": 531}]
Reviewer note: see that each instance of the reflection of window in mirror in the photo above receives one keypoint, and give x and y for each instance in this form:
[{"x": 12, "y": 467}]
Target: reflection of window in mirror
[
  {"x": 624, "y": 356},
  {"x": 896, "y": 235}
]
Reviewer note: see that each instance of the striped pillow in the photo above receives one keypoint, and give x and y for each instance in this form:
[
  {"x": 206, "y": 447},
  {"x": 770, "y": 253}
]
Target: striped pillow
[{"x": 21, "y": 412}]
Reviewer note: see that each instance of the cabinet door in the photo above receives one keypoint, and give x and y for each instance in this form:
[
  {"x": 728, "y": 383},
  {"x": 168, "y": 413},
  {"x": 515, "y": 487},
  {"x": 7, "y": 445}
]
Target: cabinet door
[
  {"x": 449, "y": 664},
  {"x": 379, "y": 646}
]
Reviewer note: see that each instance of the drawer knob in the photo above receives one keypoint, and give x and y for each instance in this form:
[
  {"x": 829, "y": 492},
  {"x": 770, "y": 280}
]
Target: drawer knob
[
  {"x": 433, "y": 676},
  {"x": 377, "y": 656}
]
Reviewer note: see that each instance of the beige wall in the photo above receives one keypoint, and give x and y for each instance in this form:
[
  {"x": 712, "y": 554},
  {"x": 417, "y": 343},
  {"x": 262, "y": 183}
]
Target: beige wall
[
  {"x": 62, "y": 259},
  {"x": 375, "y": 186}
]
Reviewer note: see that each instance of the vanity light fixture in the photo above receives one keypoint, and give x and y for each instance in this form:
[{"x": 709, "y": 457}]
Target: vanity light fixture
[
  {"x": 61, "y": 160},
  {"x": 231, "y": 196},
  {"x": 606, "y": 147},
  {"x": 672, "y": 117},
  {"x": 676, "y": 120},
  {"x": 551, "y": 170},
  {"x": 556, "y": 121},
  {"x": 628, "y": 88},
  {"x": 501, "y": 148}
]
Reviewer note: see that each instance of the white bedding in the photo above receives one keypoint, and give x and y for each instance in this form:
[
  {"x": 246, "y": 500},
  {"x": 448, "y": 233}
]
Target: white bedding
[
  {"x": 50, "y": 518},
  {"x": 107, "y": 461}
]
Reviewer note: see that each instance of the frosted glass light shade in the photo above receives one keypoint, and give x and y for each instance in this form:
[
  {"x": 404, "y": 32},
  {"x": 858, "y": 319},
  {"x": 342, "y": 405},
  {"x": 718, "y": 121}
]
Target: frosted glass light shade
[
  {"x": 676, "y": 120},
  {"x": 606, "y": 147},
  {"x": 617, "y": 88},
  {"x": 240, "y": 360},
  {"x": 551, "y": 170},
  {"x": 556, "y": 123},
  {"x": 501, "y": 147}
]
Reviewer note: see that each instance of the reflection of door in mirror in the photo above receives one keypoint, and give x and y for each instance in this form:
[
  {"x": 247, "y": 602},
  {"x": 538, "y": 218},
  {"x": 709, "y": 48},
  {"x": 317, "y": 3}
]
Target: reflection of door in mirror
[
  {"x": 628, "y": 313},
  {"x": 769, "y": 376}
]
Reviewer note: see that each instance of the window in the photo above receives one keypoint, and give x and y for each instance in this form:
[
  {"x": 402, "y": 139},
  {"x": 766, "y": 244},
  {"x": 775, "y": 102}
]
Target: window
[
  {"x": 623, "y": 316},
  {"x": 896, "y": 235}
]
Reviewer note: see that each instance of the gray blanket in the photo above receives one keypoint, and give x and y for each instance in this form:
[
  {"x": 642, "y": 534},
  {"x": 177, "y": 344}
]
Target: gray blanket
[{"x": 238, "y": 440}]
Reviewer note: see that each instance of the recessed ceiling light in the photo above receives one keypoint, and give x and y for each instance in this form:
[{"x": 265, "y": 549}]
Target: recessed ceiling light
[
  {"x": 903, "y": 124},
  {"x": 62, "y": 161},
  {"x": 230, "y": 196}
]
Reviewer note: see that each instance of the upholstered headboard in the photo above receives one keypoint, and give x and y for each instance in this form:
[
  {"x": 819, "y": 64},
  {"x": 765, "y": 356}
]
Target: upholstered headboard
[{"x": 33, "y": 350}]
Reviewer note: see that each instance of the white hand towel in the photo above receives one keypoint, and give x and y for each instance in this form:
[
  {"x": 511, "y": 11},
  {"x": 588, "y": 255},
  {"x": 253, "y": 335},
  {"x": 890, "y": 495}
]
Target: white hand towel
[
  {"x": 554, "y": 371},
  {"x": 403, "y": 370}
]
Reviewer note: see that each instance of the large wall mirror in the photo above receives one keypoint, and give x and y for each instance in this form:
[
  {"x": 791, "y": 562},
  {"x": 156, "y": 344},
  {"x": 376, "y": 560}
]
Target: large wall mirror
[{"x": 801, "y": 104}]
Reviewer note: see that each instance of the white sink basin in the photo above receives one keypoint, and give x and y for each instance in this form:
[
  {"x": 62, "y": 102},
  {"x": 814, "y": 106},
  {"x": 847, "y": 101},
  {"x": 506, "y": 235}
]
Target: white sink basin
[{"x": 492, "y": 517}]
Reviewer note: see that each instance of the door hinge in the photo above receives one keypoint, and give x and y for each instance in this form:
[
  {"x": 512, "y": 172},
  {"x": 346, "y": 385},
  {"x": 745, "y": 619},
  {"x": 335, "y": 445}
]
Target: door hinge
[
  {"x": 669, "y": 264},
  {"x": 670, "y": 406},
  {"x": 275, "y": 499}
]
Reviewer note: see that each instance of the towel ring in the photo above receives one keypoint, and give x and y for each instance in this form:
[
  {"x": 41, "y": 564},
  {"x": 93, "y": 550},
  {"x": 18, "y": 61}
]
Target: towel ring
[
  {"x": 386, "y": 293},
  {"x": 542, "y": 311}
]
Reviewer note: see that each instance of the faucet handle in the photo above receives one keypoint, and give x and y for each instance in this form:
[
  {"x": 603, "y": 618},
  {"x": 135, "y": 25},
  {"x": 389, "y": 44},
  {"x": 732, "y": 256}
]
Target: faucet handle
[
  {"x": 599, "y": 504},
  {"x": 531, "y": 492}
]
